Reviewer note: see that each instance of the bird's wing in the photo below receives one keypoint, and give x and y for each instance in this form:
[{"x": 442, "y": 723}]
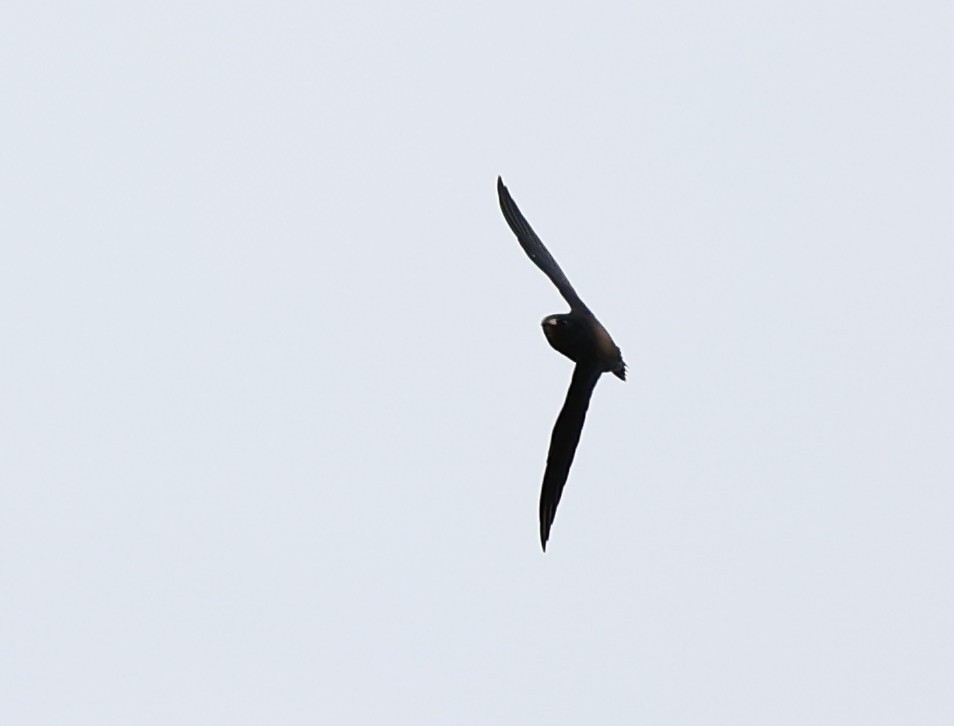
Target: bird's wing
[
  {"x": 563, "y": 441},
  {"x": 534, "y": 248}
]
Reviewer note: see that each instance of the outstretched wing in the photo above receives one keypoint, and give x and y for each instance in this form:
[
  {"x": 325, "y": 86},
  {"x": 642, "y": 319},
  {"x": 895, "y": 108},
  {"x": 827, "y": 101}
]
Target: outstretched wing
[
  {"x": 563, "y": 441},
  {"x": 534, "y": 247}
]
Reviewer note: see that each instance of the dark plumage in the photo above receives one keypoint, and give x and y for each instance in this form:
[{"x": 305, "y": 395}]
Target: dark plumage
[{"x": 580, "y": 337}]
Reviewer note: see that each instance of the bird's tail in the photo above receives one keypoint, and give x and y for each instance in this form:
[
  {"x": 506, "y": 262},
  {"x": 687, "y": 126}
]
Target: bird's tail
[{"x": 620, "y": 370}]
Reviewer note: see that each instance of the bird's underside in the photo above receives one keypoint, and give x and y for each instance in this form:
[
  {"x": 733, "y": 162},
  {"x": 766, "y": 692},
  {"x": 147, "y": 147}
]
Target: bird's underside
[{"x": 579, "y": 336}]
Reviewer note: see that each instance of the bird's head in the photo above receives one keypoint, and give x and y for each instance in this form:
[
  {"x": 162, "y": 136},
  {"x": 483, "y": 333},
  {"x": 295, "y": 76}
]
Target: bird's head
[{"x": 565, "y": 334}]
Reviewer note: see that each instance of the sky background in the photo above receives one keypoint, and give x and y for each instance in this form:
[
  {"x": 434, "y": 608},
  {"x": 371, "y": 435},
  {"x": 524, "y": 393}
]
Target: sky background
[{"x": 275, "y": 403}]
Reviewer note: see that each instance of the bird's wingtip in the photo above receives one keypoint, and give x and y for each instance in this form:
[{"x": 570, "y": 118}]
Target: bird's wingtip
[{"x": 546, "y": 519}]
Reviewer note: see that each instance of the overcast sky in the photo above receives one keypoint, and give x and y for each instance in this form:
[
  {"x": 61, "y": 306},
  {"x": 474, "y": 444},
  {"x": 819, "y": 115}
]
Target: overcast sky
[{"x": 275, "y": 403}]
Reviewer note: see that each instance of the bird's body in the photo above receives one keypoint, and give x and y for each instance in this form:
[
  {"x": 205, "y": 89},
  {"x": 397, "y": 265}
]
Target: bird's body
[
  {"x": 580, "y": 337},
  {"x": 583, "y": 339}
]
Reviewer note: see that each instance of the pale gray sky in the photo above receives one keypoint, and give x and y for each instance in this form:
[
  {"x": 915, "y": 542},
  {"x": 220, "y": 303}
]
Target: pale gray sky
[{"x": 275, "y": 400}]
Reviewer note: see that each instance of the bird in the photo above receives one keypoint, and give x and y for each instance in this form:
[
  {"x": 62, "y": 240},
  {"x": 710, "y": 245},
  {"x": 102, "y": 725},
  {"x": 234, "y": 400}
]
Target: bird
[{"x": 580, "y": 337}]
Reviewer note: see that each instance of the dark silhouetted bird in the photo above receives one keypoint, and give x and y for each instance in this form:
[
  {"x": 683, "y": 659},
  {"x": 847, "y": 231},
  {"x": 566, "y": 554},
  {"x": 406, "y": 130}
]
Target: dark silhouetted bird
[{"x": 582, "y": 339}]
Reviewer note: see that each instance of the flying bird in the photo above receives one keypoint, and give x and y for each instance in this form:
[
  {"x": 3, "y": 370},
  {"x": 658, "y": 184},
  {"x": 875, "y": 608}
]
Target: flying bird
[{"x": 580, "y": 337}]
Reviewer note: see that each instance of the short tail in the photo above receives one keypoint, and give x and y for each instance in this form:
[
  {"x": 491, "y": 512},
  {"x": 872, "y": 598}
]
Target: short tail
[{"x": 620, "y": 370}]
